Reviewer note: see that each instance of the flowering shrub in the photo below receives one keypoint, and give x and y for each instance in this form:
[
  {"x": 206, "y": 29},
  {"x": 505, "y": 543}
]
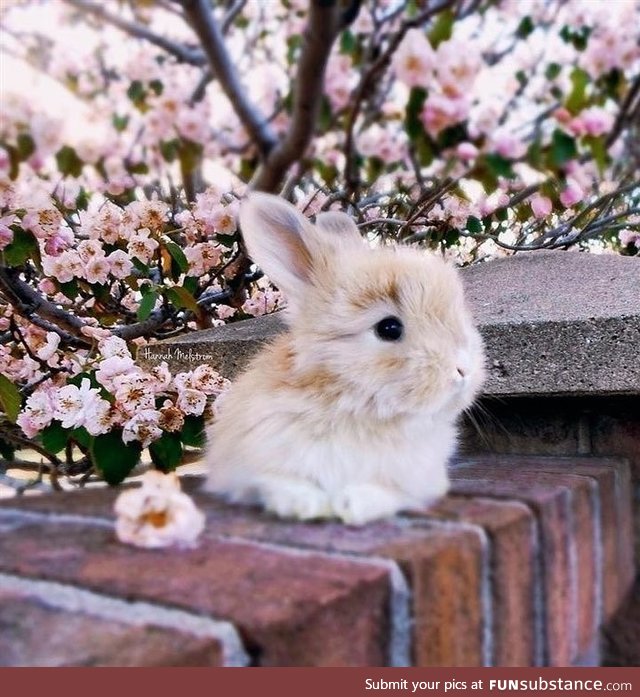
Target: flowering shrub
[{"x": 476, "y": 128}]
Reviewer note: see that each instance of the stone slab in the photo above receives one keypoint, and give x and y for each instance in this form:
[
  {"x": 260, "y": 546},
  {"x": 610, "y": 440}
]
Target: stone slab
[{"x": 554, "y": 323}]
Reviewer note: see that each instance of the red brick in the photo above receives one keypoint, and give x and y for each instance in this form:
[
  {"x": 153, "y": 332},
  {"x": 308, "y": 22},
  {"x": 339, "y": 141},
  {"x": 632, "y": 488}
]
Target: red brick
[
  {"x": 290, "y": 609},
  {"x": 614, "y": 490},
  {"x": 443, "y": 567},
  {"x": 582, "y": 535},
  {"x": 510, "y": 530},
  {"x": 35, "y": 634},
  {"x": 558, "y": 500}
]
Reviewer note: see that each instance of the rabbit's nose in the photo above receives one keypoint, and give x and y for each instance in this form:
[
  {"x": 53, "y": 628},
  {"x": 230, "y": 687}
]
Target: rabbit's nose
[{"x": 462, "y": 372}]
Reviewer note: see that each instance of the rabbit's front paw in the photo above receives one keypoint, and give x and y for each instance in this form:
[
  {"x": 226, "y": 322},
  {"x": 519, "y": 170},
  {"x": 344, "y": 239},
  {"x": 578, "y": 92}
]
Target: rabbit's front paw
[
  {"x": 358, "y": 504},
  {"x": 293, "y": 499}
]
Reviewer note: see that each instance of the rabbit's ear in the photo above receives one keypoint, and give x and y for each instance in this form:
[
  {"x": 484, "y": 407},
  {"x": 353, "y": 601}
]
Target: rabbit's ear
[
  {"x": 274, "y": 232},
  {"x": 338, "y": 229}
]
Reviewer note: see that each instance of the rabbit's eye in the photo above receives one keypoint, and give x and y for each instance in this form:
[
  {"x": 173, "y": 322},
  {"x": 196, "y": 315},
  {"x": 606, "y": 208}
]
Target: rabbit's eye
[{"x": 389, "y": 329}]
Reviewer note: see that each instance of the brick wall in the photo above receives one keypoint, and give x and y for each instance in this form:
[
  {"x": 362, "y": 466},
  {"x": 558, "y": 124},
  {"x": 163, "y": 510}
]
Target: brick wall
[{"x": 521, "y": 565}]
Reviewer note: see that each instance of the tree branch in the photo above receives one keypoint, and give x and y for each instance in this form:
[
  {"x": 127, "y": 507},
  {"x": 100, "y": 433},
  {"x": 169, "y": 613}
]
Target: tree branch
[
  {"x": 183, "y": 53},
  {"x": 206, "y": 27},
  {"x": 323, "y": 25},
  {"x": 29, "y": 304}
]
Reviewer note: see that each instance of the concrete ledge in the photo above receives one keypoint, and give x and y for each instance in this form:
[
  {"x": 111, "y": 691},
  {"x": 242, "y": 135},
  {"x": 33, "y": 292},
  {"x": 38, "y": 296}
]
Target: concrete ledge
[{"x": 554, "y": 323}]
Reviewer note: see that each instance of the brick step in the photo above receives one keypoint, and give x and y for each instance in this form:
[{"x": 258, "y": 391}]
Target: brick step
[{"x": 520, "y": 565}]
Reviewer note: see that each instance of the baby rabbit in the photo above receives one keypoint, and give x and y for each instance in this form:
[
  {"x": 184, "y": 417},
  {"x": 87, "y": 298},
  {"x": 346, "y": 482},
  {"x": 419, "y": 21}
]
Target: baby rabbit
[{"x": 352, "y": 412}]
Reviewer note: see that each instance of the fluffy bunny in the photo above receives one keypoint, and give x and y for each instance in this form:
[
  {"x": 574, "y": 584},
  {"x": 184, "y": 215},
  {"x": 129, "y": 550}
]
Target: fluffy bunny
[{"x": 352, "y": 412}]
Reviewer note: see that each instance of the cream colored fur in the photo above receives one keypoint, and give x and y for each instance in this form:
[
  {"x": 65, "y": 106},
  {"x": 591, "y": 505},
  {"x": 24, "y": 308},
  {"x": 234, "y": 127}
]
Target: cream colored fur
[{"x": 330, "y": 420}]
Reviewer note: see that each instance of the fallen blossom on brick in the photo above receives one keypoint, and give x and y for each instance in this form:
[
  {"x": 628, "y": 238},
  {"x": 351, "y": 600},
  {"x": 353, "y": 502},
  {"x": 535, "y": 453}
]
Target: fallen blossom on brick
[{"x": 157, "y": 514}]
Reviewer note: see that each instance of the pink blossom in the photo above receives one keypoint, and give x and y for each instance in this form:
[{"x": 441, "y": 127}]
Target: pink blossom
[
  {"x": 44, "y": 222},
  {"x": 134, "y": 392},
  {"x": 48, "y": 349},
  {"x": 414, "y": 59},
  {"x": 596, "y": 121},
  {"x": 97, "y": 270},
  {"x": 141, "y": 246},
  {"x": 508, "y": 145},
  {"x": 466, "y": 151},
  {"x": 191, "y": 124},
  {"x": 105, "y": 224},
  {"x": 79, "y": 406},
  {"x": 571, "y": 194},
  {"x": 158, "y": 514},
  {"x": 6, "y": 235},
  {"x": 440, "y": 112},
  {"x": 90, "y": 249},
  {"x": 208, "y": 380},
  {"x": 37, "y": 414},
  {"x": 191, "y": 401},
  {"x": 225, "y": 311},
  {"x": 456, "y": 66},
  {"x": 120, "y": 265},
  {"x": 114, "y": 346},
  {"x": 224, "y": 219},
  {"x": 161, "y": 377},
  {"x": 47, "y": 286},
  {"x": 143, "y": 426},
  {"x": 495, "y": 200},
  {"x": 64, "y": 267},
  {"x": 541, "y": 205},
  {"x": 55, "y": 245},
  {"x": 628, "y": 237},
  {"x": 382, "y": 143},
  {"x": 113, "y": 367}
]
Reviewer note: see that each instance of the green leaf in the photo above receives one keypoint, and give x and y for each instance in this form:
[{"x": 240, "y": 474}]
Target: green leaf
[
  {"x": 54, "y": 438},
  {"x": 146, "y": 305},
  {"x": 140, "y": 266},
  {"x": 169, "y": 149},
  {"x": 166, "y": 452},
  {"x": 7, "y": 450},
  {"x": 190, "y": 155},
  {"x": 577, "y": 101},
  {"x": 499, "y": 166},
  {"x": 69, "y": 289},
  {"x": 136, "y": 93},
  {"x": 348, "y": 42},
  {"x": 157, "y": 86},
  {"x": 23, "y": 247},
  {"x": 68, "y": 161},
  {"x": 114, "y": 458},
  {"x": 226, "y": 240},
  {"x": 193, "y": 432},
  {"x": 563, "y": 148},
  {"x": 82, "y": 436},
  {"x": 138, "y": 168},
  {"x": 474, "y": 225},
  {"x": 413, "y": 124},
  {"x": 181, "y": 297},
  {"x": 598, "y": 148},
  {"x": 190, "y": 284},
  {"x": 26, "y": 146},
  {"x": 525, "y": 27},
  {"x": 324, "y": 115},
  {"x": 442, "y": 28},
  {"x": 552, "y": 71},
  {"x": 120, "y": 122},
  {"x": 10, "y": 399},
  {"x": 178, "y": 256}
]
